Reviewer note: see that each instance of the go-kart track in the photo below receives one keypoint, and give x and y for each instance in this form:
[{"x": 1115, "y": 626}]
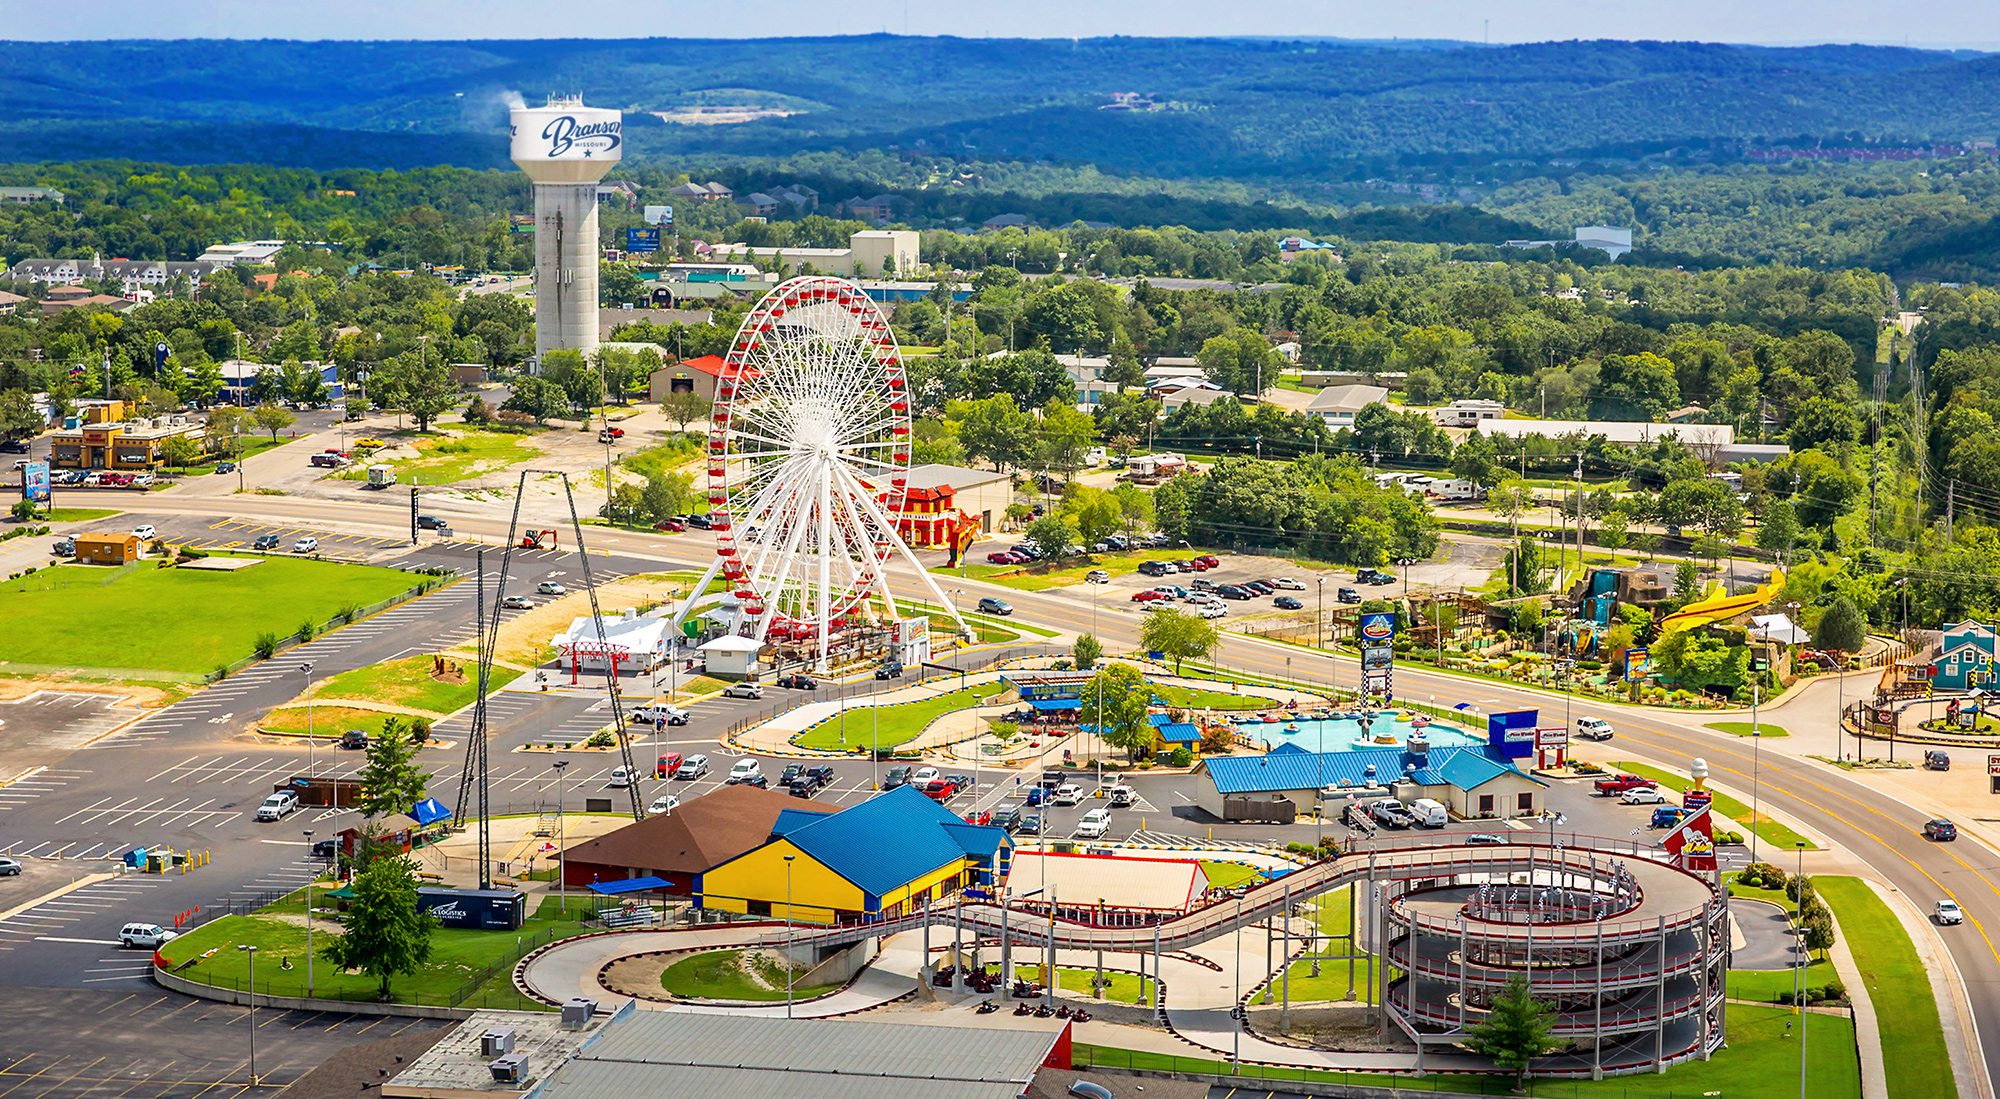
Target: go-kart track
[{"x": 1628, "y": 947}]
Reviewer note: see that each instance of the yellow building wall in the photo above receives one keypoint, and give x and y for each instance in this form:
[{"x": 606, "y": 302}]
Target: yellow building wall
[
  {"x": 925, "y": 884},
  {"x": 817, "y": 892}
]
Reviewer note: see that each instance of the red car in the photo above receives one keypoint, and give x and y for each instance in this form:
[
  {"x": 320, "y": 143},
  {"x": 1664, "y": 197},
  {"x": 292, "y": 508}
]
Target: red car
[
  {"x": 1004, "y": 557},
  {"x": 672, "y": 526},
  {"x": 1618, "y": 784},
  {"x": 667, "y": 765},
  {"x": 1149, "y": 596},
  {"x": 1196, "y": 564},
  {"x": 1210, "y": 560},
  {"x": 940, "y": 789}
]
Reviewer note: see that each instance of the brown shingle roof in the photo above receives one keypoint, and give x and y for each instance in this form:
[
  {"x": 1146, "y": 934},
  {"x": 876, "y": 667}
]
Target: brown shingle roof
[{"x": 698, "y": 836}]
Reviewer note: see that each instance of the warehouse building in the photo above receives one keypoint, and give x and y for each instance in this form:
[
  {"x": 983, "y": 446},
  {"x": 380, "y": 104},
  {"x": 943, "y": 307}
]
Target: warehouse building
[
  {"x": 681, "y": 846},
  {"x": 1473, "y": 782}
]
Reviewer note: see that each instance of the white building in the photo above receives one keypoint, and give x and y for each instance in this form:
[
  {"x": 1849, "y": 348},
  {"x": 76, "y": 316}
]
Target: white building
[
  {"x": 131, "y": 275},
  {"x": 250, "y": 253},
  {"x": 629, "y": 644},
  {"x": 867, "y": 253},
  {"x": 1467, "y": 412},
  {"x": 732, "y": 655},
  {"x": 1338, "y": 405},
  {"x": 1613, "y": 431}
]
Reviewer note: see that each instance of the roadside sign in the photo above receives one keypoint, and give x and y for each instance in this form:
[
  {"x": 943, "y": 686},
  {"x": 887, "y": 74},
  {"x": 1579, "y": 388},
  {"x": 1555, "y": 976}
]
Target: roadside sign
[
  {"x": 35, "y": 482},
  {"x": 1993, "y": 765},
  {"x": 642, "y": 240}
]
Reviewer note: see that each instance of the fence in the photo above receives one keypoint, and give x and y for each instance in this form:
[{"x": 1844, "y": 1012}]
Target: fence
[
  {"x": 1364, "y": 1085},
  {"x": 429, "y": 584}
]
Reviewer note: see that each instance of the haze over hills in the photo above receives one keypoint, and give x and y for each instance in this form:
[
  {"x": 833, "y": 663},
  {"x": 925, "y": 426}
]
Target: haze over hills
[{"x": 1279, "y": 111}]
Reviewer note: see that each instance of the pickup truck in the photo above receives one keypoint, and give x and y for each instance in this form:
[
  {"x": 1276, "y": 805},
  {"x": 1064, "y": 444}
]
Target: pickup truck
[{"x": 1618, "y": 784}]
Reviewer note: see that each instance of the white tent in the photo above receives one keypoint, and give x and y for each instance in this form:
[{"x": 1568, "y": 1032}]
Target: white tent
[{"x": 629, "y": 643}]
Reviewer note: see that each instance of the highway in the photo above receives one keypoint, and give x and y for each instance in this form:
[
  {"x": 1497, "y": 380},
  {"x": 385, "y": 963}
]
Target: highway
[{"x": 1872, "y": 827}]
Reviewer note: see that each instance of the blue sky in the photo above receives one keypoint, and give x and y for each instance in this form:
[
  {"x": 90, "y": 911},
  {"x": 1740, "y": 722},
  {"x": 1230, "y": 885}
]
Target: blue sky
[{"x": 1974, "y": 23}]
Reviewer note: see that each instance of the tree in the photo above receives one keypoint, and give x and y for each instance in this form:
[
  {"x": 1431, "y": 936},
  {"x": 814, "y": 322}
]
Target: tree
[
  {"x": 179, "y": 451},
  {"x": 1063, "y": 439},
  {"x": 386, "y": 934},
  {"x": 390, "y": 779},
  {"x": 1239, "y": 360},
  {"x": 1475, "y": 461},
  {"x": 995, "y": 430},
  {"x": 1135, "y": 506},
  {"x": 666, "y": 495},
  {"x": 18, "y": 418},
  {"x": 1115, "y": 703},
  {"x": 1178, "y": 635},
  {"x": 428, "y": 390},
  {"x": 1515, "y": 1030},
  {"x": 1087, "y": 651},
  {"x": 685, "y": 407},
  {"x": 539, "y": 398},
  {"x": 1841, "y": 628},
  {"x": 478, "y": 411},
  {"x": 1054, "y": 534},
  {"x": 1779, "y": 531},
  {"x": 271, "y": 418}
]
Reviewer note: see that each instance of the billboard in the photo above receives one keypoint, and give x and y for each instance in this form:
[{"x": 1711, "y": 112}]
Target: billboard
[
  {"x": 1637, "y": 660},
  {"x": 913, "y": 641},
  {"x": 1692, "y": 843},
  {"x": 642, "y": 240},
  {"x": 35, "y": 482},
  {"x": 1378, "y": 627},
  {"x": 520, "y": 223},
  {"x": 659, "y": 215}
]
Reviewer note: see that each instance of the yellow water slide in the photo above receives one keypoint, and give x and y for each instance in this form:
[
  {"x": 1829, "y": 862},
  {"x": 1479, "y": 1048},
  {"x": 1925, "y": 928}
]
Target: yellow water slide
[{"x": 1722, "y": 606}]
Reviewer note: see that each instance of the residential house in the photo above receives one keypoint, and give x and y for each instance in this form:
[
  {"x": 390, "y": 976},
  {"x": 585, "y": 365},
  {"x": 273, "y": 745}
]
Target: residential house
[
  {"x": 761, "y": 204},
  {"x": 62, "y": 299},
  {"x": 248, "y": 253},
  {"x": 1966, "y": 658},
  {"x": 879, "y": 209},
  {"x": 24, "y": 195},
  {"x": 1202, "y": 394},
  {"x": 1006, "y": 221},
  {"x": 9, "y": 302},
  {"x": 1337, "y": 406}
]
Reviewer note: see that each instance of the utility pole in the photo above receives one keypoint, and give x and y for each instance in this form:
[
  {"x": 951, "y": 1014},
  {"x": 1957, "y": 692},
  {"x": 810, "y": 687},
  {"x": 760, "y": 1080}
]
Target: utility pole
[{"x": 1950, "y": 507}]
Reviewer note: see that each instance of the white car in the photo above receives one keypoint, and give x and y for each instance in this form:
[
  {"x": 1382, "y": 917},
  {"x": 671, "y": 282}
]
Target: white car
[
  {"x": 305, "y": 545},
  {"x": 1593, "y": 728},
  {"x": 665, "y": 804},
  {"x": 743, "y": 690},
  {"x": 1211, "y": 610},
  {"x": 144, "y": 532},
  {"x": 692, "y": 767},
  {"x": 142, "y": 481},
  {"x": 1286, "y": 583},
  {"x": 1069, "y": 793},
  {"x": 655, "y": 713},
  {"x": 1949, "y": 913},
  {"x": 1094, "y": 824},
  {"x": 151, "y": 936},
  {"x": 1097, "y": 576},
  {"x": 551, "y": 587},
  {"x": 278, "y": 806},
  {"x": 743, "y": 769},
  {"x": 621, "y": 777},
  {"x": 1644, "y": 795},
  {"x": 923, "y": 775}
]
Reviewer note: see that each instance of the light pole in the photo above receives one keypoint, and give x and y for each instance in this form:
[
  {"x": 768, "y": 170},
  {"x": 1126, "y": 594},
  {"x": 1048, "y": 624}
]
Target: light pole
[
  {"x": 309, "y": 921},
  {"x": 1756, "y": 740},
  {"x": 1319, "y": 642},
  {"x": 312, "y": 756},
  {"x": 791, "y": 960},
  {"x": 252, "y": 951},
  {"x": 1236, "y": 1032},
  {"x": 562, "y": 895},
  {"x": 1800, "y": 961}
]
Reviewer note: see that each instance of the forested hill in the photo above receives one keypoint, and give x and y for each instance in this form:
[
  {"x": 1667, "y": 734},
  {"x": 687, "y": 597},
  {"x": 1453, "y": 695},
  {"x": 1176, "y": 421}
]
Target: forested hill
[{"x": 1272, "y": 110}]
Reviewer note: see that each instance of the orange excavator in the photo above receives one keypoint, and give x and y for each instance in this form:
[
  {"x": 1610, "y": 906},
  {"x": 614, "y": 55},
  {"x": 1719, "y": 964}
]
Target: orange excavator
[{"x": 538, "y": 539}]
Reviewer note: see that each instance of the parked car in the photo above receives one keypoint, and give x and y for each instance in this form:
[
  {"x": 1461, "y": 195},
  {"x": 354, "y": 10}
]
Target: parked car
[
  {"x": 1003, "y": 557},
  {"x": 1150, "y": 596},
  {"x": 1261, "y": 587},
  {"x": 1069, "y": 793},
  {"x": 551, "y": 587},
  {"x": 1232, "y": 591},
  {"x": 800, "y": 789},
  {"x": 326, "y": 848},
  {"x": 1593, "y": 728},
  {"x": 743, "y": 689},
  {"x": 307, "y": 544},
  {"x": 15, "y": 446},
  {"x": 1390, "y": 813},
  {"x": 667, "y": 764},
  {"x": 820, "y": 774},
  {"x": 143, "y": 480},
  {"x": 1152, "y": 568},
  {"x": 1097, "y": 576},
  {"x": 923, "y": 775},
  {"x": 1618, "y": 784},
  {"x": 516, "y": 603},
  {"x": 1121, "y": 795},
  {"x": 64, "y": 547},
  {"x": 742, "y": 769},
  {"x": 1940, "y": 830},
  {"x": 278, "y": 806},
  {"x": 671, "y": 526},
  {"x": 793, "y": 772},
  {"x": 1010, "y": 818},
  {"x": 699, "y": 522},
  {"x": 1666, "y": 816},
  {"x": 1644, "y": 795},
  {"x": 897, "y": 776},
  {"x": 990, "y": 605},
  {"x": 1347, "y": 595},
  {"x": 665, "y": 803},
  {"x": 940, "y": 789},
  {"x": 1211, "y": 610},
  {"x": 797, "y": 682},
  {"x": 693, "y": 767},
  {"x": 354, "y": 740},
  {"x": 144, "y": 532},
  {"x": 1373, "y": 576},
  {"x": 1289, "y": 583},
  {"x": 621, "y": 777},
  {"x": 1948, "y": 913},
  {"x": 1287, "y": 603},
  {"x": 1031, "y": 825},
  {"x": 265, "y": 542},
  {"x": 659, "y": 713},
  {"x": 145, "y": 936},
  {"x": 1094, "y": 824},
  {"x": 889, "y": 671},
  {"x": 9, "y": 868}
]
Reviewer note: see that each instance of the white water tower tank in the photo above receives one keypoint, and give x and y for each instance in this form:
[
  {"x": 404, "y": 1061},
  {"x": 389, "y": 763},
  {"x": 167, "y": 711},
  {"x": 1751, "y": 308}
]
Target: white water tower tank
[{"x": 566, "y": 148}]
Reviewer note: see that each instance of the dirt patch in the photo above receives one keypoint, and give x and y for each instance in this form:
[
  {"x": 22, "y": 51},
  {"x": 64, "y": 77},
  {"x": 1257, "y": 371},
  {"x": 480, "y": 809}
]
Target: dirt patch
[
  {"x": 1350, "y": 1029},
  {"x": 524, "y": 639}
]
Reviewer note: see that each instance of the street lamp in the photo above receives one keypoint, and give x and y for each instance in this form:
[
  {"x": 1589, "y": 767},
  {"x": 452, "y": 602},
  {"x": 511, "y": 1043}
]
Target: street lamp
[
  {"x": 309, "y": 920},
  {"x": 1799, "y": 960},
  {"x": 252, "y": 951},
  {"x": 562, "y": 895},
  {"x": 306, "y": 669},
  {"x": 791, "y": 958},
  {"x": 1756, "y": 740}
]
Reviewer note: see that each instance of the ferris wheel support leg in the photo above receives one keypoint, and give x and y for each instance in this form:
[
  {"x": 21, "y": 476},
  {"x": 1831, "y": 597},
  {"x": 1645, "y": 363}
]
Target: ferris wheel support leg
[
  {"x": 923, "y": 573},
  {"x": 825, "y": 567},
  {"x": 700, "y": 586}
]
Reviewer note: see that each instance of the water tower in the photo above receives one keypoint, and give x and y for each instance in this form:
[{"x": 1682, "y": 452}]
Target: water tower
[{"x": 566, "y": 148}]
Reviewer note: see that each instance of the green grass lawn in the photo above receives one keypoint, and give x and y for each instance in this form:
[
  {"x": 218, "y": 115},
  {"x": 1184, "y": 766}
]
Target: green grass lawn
[
  {"x": 1742, "y": 728},
  {"x": 1120, "y": 988},
  {"x": 408, "y": 682},
  {"x": 78, "y": 515},
  {"x": 449, "y": 459},
  {"x": 1764, "y": 985},
  {"x": 666, "y": 456},
  {"x": 328, "y": 720},
  {"x": 1770, "y": 830},
  {"x": 725, "y": 975},
  {"x": 1762, "y": 1062},
  {"x": 174, "y": 620},
  {"x": 1898, "y": 986},
  {"x": 457, "y": 957},
  {"x": 899, "y": 721},
  {"x": 1222, "y": 875},
  {"x": 1331, "y": 916},
  {"x": 1201, "y": 698}
]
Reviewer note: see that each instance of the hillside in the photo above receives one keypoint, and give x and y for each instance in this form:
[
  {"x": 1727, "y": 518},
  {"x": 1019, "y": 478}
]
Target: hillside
[{"x": 1271, "y": 110}]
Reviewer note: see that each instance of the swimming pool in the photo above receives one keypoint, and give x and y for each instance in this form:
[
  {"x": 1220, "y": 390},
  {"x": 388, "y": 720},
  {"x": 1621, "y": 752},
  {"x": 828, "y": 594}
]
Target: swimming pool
[{"x": 1386, "y": 729}]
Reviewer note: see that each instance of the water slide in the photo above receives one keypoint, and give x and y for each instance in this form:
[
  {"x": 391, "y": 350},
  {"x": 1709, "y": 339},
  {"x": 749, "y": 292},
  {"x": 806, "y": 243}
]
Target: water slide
[{"x": 1722, "y": 606}]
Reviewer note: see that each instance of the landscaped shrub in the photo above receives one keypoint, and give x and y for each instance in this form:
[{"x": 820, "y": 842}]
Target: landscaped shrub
[
  {"x": 267, "y": 643},
  {"x": 602, "y": 738}
]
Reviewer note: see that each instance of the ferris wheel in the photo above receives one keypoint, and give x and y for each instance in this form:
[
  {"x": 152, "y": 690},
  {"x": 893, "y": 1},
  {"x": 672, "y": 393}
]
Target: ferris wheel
[{"x": 808, "y": 451}]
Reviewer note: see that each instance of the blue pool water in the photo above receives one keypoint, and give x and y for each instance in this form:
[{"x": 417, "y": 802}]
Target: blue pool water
[{"x": 1343, "y": 734}]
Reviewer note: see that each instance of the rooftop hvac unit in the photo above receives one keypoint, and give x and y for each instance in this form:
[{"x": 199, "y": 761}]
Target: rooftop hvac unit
[
  {"x": 576, "y": 1013},
  {"x": 496, "y": 1043},
  {"x": 511, "y": 1069}
]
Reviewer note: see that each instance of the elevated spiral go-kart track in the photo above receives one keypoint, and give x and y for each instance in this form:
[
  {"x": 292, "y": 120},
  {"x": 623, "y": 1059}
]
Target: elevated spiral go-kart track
[{"x": 1628, "y": 949}]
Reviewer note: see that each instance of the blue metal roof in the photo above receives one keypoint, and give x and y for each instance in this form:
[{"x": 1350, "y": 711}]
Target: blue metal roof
[
  {"x": 1180, "y": 733},
  {"x": 1056, "y": 703},
  {"x": 789, "y": 819},
  {"x": 891, "y": 839},
  {"x": 1289, "y": 767},
  {"x": 628, "y": 885}
]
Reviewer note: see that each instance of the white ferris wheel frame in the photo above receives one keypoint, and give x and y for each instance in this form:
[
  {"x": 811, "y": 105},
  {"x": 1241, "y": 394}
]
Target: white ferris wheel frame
[{"x": 811, "y": 422}]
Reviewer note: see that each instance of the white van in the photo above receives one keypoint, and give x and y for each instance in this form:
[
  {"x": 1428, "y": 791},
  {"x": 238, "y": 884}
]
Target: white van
[
  {"x": 1094, "y": 824},
  {"x": 1429, "y": 813},
  {"x": 277, "y": 806},
  {"x": 1069, "y": 793},
  {"x": 744, "y": 770}
]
